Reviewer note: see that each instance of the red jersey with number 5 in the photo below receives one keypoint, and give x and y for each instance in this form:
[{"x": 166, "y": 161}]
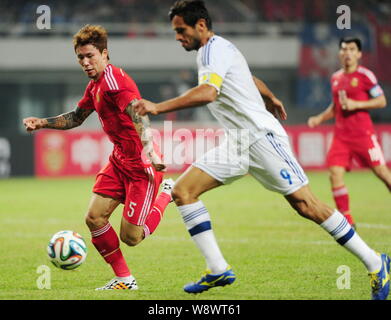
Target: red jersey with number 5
[
  {"x": 109, "y": 96},
  {"x": 360, "y": 85}
]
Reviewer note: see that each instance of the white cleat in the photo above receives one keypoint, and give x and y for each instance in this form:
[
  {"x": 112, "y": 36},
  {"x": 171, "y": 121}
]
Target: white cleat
[{"x": 119, "y": 284}]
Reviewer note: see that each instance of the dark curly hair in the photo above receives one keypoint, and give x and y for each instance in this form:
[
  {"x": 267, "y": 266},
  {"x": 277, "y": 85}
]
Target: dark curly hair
[{"x": 191, "y": 12}]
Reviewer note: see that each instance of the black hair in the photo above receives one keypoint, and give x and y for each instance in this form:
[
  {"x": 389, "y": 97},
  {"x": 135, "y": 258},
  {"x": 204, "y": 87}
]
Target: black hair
[
  {"x": 357, "y": 41},
  {"x": 191, "y": 12}
]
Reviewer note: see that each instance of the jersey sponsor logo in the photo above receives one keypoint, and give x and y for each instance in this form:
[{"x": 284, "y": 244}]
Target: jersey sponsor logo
[{"x": 354, "y": 82}]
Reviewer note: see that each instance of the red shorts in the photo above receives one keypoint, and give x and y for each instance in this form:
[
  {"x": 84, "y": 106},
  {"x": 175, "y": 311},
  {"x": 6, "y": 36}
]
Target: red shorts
[
  {"x": 366, "y": 151},
  {"x": 136, "y": 191}
]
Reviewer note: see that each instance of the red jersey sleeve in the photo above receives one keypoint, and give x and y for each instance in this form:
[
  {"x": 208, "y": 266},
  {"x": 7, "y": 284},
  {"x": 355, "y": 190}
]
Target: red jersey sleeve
[
  {"x": 121, "y": 98},
  {"x": 86, "y": 102},
  {"x": 121, "y": 88},
  {"x": 371, "y": 84}
]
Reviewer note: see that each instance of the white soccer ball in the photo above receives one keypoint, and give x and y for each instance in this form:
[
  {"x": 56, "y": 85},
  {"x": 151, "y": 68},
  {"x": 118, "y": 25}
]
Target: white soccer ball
[{"x": 67, "y": 250}]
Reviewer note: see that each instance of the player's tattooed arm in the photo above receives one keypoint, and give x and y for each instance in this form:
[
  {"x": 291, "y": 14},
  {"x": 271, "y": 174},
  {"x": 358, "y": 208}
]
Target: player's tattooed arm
[
  {"x": 68, "y": 120},
  {"x": 143, "y": 128},
  {"x": 62, "y": 122}
]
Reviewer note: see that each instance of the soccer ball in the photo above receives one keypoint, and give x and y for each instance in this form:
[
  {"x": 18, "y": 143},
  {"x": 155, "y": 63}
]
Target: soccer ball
[{"x": 67, "y": 250}]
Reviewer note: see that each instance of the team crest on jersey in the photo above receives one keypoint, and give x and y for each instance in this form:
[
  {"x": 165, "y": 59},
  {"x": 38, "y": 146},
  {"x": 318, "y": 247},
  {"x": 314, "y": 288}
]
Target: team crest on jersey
[{"x": 354, "y": 82}]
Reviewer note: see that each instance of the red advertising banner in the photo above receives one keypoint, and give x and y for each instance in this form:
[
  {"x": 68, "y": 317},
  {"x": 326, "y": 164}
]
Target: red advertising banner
[
  {"x": 311, "y": 145},
  {"x": 63, "y": 153}
]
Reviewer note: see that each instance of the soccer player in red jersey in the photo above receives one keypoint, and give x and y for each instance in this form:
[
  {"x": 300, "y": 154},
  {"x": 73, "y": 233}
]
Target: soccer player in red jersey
[
  {"x": 355, "y": 91},
  {"x": 134, "y": 171}
]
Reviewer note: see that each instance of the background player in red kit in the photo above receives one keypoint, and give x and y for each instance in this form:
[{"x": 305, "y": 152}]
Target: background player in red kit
[
  {"x": 355, "y": 91},
  {"x": 133, "y": 174}
]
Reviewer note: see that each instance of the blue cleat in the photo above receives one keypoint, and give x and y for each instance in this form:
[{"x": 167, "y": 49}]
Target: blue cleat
[
  {"x": 210, "y": 281},
  {"x": 380, "y": 281}
]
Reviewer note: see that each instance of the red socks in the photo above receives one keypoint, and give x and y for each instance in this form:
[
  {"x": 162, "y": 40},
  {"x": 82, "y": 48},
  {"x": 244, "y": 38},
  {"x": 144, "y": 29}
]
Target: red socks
[
  {"x": 156, "y": 213},
  {"x": 341, "y": 198},
  {"x": 106, "y": 242}
]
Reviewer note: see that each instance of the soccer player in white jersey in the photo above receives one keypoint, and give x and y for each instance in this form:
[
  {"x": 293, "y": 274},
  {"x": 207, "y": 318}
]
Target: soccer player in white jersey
[{"x": 237, "y": 100}]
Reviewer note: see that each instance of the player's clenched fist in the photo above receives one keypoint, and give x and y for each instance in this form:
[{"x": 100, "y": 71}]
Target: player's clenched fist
[
  {"x": 346, "y": 103},
  {"x": 314, "y": 122},
  {"x": 32, "y": 123},
  {"x": 143, "y": 107}
]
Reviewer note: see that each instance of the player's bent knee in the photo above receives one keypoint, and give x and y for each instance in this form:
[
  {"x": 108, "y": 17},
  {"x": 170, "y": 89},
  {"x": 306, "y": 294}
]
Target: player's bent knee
[
  {"x": 177, "y": 193},
  {"x": 130, "y": 240},
  {"x": 181, "y": 196},
  {"x": 94, "y": 222}
]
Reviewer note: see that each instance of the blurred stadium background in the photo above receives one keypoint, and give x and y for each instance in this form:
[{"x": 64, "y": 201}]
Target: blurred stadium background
[{"x": 291, "y": 45}]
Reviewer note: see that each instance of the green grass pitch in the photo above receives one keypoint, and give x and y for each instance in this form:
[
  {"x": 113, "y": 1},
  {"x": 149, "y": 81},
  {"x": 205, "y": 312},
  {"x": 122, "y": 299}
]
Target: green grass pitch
[{"x": 275, "y": 253}]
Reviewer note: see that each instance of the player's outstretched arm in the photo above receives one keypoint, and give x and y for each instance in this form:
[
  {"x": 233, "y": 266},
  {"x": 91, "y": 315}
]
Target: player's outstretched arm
[
  {"x": 326, "y": 115},
  {"x": 143, "y": 128},
  {"x": 195, "y": 97},
  {"x": 273, "y": 105},
  {"x": 62, "y": 122}
]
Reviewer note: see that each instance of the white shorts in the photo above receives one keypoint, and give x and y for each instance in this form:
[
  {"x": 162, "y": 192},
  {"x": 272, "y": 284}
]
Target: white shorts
[{"x": 269, "y": 160}]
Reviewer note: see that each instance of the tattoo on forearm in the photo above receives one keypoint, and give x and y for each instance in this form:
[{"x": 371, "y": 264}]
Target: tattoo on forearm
[
  {"x": 142, "y": 126},
  {"x": 68, "y": 120}
]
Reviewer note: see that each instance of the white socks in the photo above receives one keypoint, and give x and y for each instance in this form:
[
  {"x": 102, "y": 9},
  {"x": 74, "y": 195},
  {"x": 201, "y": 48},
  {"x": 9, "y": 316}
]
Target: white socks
[
  {"x": 337, "y": 226},
  {"x": 197, "y": 221}
]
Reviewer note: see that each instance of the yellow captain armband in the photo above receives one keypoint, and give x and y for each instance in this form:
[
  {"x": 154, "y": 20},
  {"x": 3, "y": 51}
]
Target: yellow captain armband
[{"x": 211, "y": 78}]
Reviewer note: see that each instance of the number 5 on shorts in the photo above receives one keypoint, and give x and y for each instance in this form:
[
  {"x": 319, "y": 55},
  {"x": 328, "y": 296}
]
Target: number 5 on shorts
[
  {"x": 285, "y": 175},
  {"x": 131, "y": 209}
]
